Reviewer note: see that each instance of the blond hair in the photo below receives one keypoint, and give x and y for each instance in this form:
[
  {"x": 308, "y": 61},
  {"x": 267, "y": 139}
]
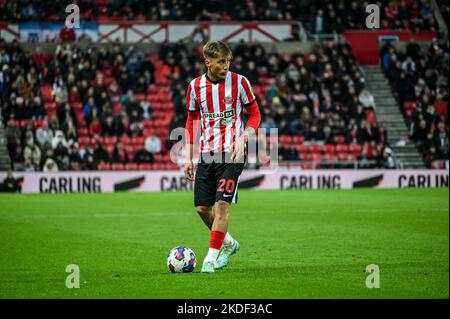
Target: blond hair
[{"x": 215, "y": 49}]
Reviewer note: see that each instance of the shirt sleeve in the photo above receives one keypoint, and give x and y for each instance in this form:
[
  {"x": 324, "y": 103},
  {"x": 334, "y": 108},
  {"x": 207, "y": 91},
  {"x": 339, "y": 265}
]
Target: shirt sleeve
[
  {"x": 245, "y": 91},
  {"x": 191, "y": 100}
]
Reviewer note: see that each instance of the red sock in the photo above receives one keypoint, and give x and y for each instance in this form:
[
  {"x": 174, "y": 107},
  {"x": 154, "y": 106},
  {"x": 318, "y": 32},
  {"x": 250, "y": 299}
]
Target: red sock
[{"x": 216, "y": 239}]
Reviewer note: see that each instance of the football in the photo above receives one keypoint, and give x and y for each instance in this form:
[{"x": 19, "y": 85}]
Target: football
[{"x": 181, "y": 259}]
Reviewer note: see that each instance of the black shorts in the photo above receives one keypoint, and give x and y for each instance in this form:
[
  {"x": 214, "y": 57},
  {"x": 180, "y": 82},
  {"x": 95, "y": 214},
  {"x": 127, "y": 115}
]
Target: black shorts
[{"x": 216, "y": 181}]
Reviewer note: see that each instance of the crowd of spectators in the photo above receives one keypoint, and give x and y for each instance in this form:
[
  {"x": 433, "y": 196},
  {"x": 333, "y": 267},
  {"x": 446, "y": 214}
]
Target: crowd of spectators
[
  {"x": 103, "y": 82},
  {"x": 325, "y": 16},
  {"x": 419, "y": 78},
  {"x": 319, "y": 96}
]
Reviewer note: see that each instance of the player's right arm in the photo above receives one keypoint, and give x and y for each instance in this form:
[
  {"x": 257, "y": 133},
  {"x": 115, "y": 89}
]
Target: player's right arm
[{"x": 193, "y": 115}]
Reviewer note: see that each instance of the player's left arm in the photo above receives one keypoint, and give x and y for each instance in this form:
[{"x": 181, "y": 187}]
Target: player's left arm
[{"x": 251, "y": 105}]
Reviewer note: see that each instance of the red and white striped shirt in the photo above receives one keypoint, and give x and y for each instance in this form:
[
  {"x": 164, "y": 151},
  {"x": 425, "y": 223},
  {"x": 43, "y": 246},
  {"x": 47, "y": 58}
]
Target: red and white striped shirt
[{"x": 220, "y": 106}]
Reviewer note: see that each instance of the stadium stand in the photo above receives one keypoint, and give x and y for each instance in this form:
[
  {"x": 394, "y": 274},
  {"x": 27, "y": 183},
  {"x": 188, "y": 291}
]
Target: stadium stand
[
  {"x": 314, "y": 99},
  {"x": 318, "y": 17},
  {"x": 419, "y": 79},
  {"x": 112, "y": 106}
]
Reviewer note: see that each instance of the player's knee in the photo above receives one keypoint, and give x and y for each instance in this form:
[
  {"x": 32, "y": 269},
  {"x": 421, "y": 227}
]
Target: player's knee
[
  {"x": 221, "y": 208},
  {"x": 203, "y": 210}
]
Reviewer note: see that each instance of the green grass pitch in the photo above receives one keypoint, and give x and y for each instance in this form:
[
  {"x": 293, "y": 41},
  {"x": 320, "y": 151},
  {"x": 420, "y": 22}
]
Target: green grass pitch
[{"x": 294, "y": 244}]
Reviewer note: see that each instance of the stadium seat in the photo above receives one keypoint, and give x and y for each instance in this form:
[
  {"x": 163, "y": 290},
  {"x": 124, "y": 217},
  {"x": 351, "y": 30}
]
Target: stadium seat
[
  {"x": 304, "y": 148},
  {"x": 83, "y": 140},
  {"x": 305, "y": 156},
  {"x": 110, "y": 140},
  {"x": 298, "y": 139},
  {"x": 37, "y": 123},
  {"x": 82, "y": 131},
  {"x": 104, "y": 166},
  {"x": 343, "y": 156},
  {"x": 339, "y": 139},
  {"x": 355, "y": 149},
  {"x": 125, "y": 140},
  {"x": 158, "y": 158},
  {"x": 117, "y": 166},
  {"x": 328, "y": 157},
  {"x": 159, "y": 166},
  {"x": 137, "y": 141},
  {"x": 285, "y": 139},
  {"x": 131, "y": 166},
  {"x": 342, "y": 148},
  {"x": 131, "y": 150},
  {"x": 147, "y": 132},
  {"x": 110, "y": 150},
  {"x": 328, "y": 148},
  {"x": 145, "y": 166},
  {"x": 98, "y": 139},
  {"x": 316, "y": 157},
  {"x": 315, "y": 148}
]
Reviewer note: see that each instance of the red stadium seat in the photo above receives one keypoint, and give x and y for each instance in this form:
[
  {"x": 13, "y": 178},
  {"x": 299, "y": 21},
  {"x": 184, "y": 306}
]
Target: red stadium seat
[
  {"x": 171, "y": 166},
  {"x": 38, "y": 123},
  {"x": 117, "y": 166},
  {"x": 24, "y": 123},
  {"x": 104, "y": 166},
  {"x": 343, "y": 156},
  {"x": 147, "y": 132},
  {"x": 140, "y": 97},
  {"x": 137, "y": 141},
  {"x": 305, "y": 156},
  {"x": 50, "y": 106},
  {"x": 329, "y": 148},
  {"x": 328, "y": 157},
  {"x": 315, "y": 148},
  {"x": 409, "y": 105},
  {"x": 83, "y": 140},
  {"x": 304, "y": 148},
  {"x": 298, "y": 139},
  {"x": 158, "y": 166},
  {"x": 285, "y": 139},
  {"x": 339, "y": 139},
  {"x": 125, "y": 140},
  {"x": 110, "y": 150},
  {"x": 145, "y": 166},
  {"x": 131, "y": 150},
  {"x": 316, "y": 157},
  {"x": 131, "y": 166},
  {"x": 96, "y": 139},
  {"x": 355, "y": 148},
  {"x": 83, "y": 131},
  {"x": 110, "y": 140},
  {"x": 342, "y": 148}
]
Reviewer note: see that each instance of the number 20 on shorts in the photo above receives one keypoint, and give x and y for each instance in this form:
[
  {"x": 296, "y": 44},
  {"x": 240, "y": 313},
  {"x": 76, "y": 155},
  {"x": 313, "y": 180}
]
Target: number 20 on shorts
[{"x": 226, "y": 186}]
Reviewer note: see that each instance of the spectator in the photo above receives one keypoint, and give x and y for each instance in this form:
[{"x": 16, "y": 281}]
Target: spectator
[
  {"x": 100, "y": 155},
  {"x": 44, "y": 134},
  {"x": 32, "y": 152},
  {"x": 50, "y": 165},
  {"x": 67, "y": 34},
  {"x": 10, "y": 184},
  {"x": 143, "y": 156},
  {"x": 120, "y": 154},
  {"x": 153, "y": 144},
  {"x": 367, "y": 99},
  {"x": 59, "y": 138}
]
